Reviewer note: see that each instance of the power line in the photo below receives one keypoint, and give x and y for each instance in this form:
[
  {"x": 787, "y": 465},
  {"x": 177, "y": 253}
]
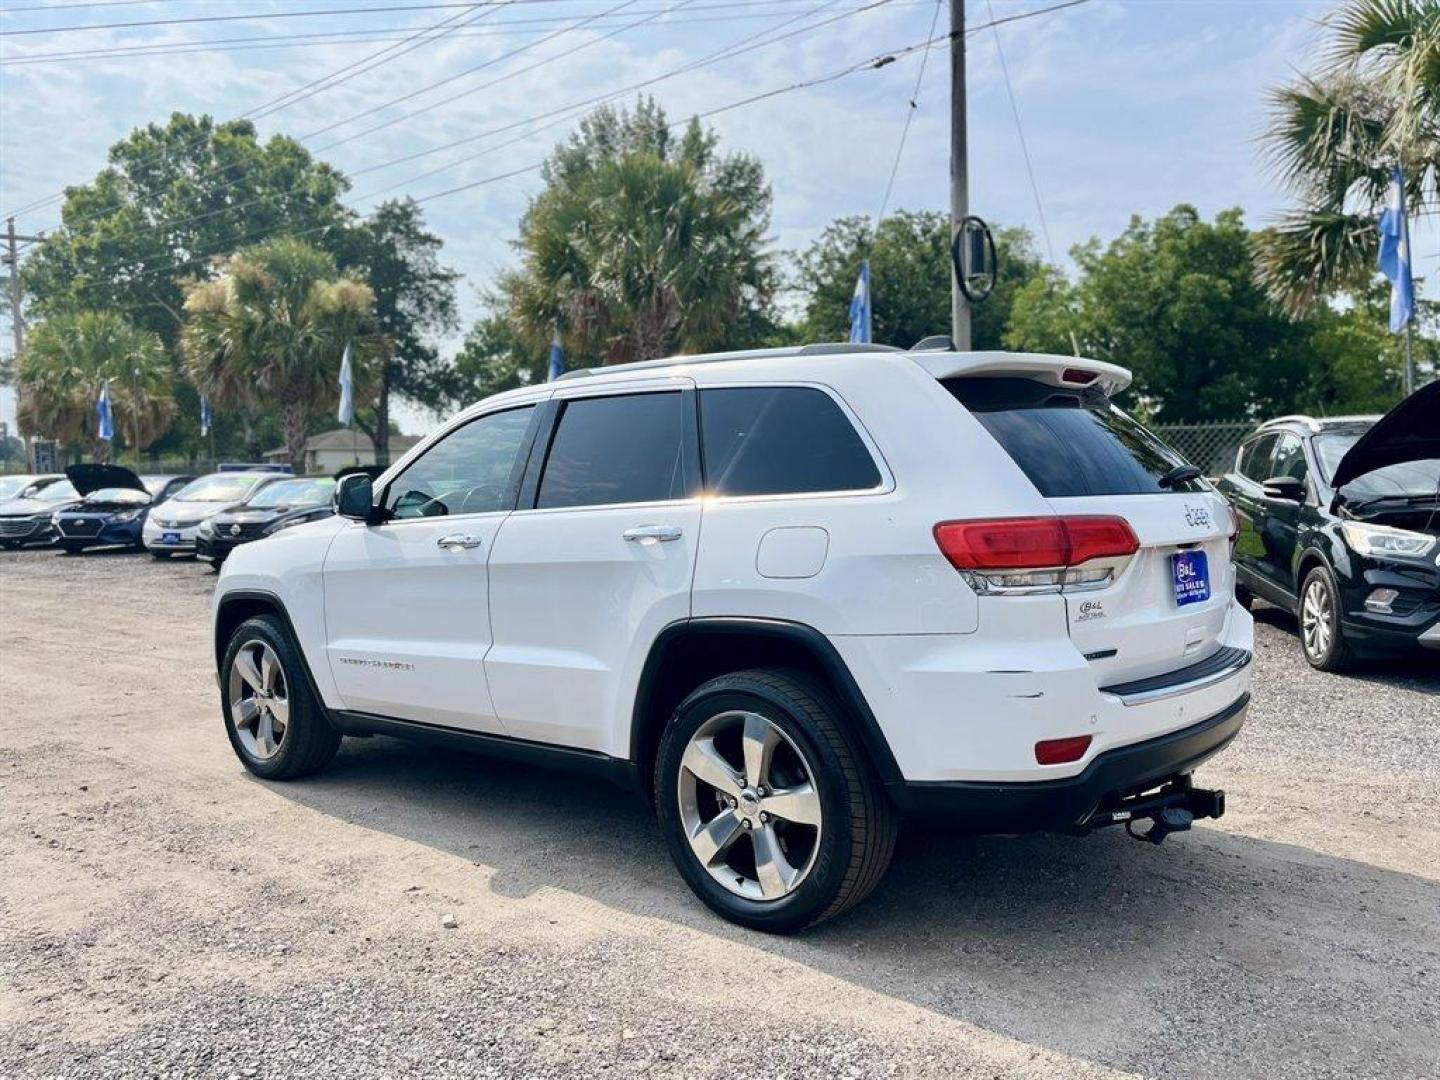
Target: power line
[
  {"x": 1020, "y": 131},
  {"x": 432, "y": 33},
  {"x": 909, "y": 116},
  {"x": 252, "y": 17},
  {"x": 482, "y": 66},
  {"x": 760, "y": 8}
]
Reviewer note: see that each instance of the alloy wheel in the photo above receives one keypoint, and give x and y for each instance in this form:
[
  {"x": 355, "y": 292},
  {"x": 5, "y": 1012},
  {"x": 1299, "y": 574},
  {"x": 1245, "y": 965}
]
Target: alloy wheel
[
  {"x": 259, "y": 699},
  {"x": 1317, "y": 612},
  {"x": 749, "y": 805}
]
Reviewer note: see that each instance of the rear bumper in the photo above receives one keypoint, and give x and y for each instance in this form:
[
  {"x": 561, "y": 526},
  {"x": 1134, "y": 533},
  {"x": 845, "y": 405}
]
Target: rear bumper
[{"x": 1066, "y": 805}]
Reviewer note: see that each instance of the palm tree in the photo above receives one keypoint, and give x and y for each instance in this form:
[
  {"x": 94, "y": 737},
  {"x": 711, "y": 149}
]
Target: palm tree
[
  {"x": 1336, "y": 135},
  {"x": 270, "y": 331},
  {"x": 70, "y": 357},
  {"x": 643, "y": 244}
]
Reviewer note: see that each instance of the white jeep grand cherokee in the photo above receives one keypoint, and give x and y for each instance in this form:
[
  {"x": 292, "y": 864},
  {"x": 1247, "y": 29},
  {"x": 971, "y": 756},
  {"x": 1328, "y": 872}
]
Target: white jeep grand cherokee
[{"x": 790, "y": 595}]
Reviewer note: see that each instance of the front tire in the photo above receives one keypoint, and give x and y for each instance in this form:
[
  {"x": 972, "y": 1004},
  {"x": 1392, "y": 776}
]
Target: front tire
[
  {"x": 1322, "y": 638},
  {"x": 275, "y": 726},
  {"x": 773, "y": 818}
]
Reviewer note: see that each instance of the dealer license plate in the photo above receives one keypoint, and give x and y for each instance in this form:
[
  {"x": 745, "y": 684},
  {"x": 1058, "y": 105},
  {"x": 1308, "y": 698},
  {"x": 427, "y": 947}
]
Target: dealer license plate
[{"x": 1190, "y": 571}]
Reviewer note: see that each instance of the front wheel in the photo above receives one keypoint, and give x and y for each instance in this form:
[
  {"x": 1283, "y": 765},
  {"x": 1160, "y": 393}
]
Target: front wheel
[
  {"x": 773, "y": 818},
  {"x": 1322, "y": 638},
  {"x": 276, "y": 727}
]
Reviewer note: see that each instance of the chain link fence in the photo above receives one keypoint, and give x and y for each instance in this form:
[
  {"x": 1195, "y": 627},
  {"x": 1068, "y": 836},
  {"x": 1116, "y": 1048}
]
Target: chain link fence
[{"x": 1210, "y": 445}]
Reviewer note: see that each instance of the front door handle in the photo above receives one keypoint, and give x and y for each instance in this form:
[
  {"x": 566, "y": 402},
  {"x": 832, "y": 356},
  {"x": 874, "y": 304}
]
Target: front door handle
[
  {"x": 458, "y": 542},
  {"x": 652, "y": 534}
]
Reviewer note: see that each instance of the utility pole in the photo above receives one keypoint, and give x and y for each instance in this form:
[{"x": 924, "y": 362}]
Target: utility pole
[
  {"x": 17, "y": 324},
  {"x": 959, "y": 169}
]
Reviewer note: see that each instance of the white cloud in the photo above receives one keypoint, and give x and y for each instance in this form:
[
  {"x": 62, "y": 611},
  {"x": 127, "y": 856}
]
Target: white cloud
[{"x": 1128, "y": 107}]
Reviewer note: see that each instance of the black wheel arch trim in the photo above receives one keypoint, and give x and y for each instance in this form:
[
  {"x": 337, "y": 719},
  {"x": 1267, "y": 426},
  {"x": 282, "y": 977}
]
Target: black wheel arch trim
[
  {"x": 277, "y": 608},
  {"x": 861, "y": 719}
]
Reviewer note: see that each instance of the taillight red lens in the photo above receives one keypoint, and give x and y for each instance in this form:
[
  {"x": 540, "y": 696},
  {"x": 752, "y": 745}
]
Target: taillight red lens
[
  {"x": 1061, "y": 751},
  {"x": 1078, "y": 375},
  {"x": 1033, "y": 542},
  {"x": 1234, "y": 522}
]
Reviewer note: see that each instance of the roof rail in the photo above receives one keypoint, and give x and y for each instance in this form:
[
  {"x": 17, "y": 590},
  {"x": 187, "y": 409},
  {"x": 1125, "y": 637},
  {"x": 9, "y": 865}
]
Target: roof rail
[
  {"x": 813, "y": 349},
  {"x": 1294, "y": 418}
]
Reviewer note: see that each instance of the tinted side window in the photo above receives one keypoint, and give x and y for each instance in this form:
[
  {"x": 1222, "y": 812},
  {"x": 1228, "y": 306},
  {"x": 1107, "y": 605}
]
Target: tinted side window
[
  {"x": 774, "y": 440},
  {"x": 1289, "y": 459},
  {"x": 1255, "y": 461},
  {"x": 469, "y": 471},
  {"x": 622, "y": 449}
]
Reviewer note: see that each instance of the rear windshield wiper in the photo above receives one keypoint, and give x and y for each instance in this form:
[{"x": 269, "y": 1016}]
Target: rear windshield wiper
[{"x": 1180, "y": 474}]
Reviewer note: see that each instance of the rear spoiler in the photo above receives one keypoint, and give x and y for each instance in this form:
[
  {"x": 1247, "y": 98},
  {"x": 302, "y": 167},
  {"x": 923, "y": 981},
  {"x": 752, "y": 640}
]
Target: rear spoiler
[{"x": 1066, "y": 372}]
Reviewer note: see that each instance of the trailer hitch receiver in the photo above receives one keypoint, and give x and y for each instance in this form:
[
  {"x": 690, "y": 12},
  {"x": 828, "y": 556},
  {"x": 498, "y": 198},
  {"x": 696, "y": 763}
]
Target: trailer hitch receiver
[{"x": 1170, "y": 810}]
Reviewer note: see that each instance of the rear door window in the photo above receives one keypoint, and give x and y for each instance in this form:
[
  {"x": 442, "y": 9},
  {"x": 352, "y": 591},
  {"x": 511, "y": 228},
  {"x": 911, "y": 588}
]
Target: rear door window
[
  {"x": 774, "y": 440},
  {"x": 1069, "y": 443},
  {"x": 628, "y": 448}
]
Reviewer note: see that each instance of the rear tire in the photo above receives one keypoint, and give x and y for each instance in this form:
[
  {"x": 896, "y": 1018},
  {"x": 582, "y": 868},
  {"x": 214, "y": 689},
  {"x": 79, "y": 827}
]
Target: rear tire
[
  {"x": 1322, "y": 637},
  {"x": 774, "y": 819},
  {"x": 276, "y": 727}
]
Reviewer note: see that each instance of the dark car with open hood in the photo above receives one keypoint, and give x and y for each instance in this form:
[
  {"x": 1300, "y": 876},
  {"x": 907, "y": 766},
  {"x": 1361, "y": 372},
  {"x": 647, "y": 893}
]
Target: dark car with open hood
[
  {"x": 1340, "y": 524},
  {"x": 113, "y": 506},
  {"x": 282, "y": 503}
]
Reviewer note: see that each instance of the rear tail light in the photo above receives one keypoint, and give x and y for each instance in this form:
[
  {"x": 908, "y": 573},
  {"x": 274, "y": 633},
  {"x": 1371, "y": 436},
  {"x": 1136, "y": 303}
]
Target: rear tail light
[
  {"x": 1234, "y": 525},
  {"x": 1061, "y": 751},
  {"x": 1037, "y": 554},
  {"x": 1078, "y": 376}
]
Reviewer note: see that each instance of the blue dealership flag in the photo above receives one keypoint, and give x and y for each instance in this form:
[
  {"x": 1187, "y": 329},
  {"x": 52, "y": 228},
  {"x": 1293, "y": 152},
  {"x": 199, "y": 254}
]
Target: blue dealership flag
[
  {"x": 1395, "y": 254},
  {"x": 860, "y": 307},
  {"x": 347, "y": 387},
  {"x": 102, "y": 409},
  {"x": 557, "y": 358},
  {"x": 207, "y": 416}
]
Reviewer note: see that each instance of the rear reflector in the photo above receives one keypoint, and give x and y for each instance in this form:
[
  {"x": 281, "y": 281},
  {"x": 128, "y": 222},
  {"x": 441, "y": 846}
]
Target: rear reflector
[
  {"x": 1061, "y": 751},
  {"x": 1034, "y": 542}
]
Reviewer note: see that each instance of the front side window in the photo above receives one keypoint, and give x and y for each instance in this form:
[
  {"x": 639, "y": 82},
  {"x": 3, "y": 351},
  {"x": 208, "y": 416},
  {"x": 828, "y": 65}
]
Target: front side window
[
  {"x": 469, "y": 471},
  {"x": 628, "y": 448},
  {"x": 774, "y": 440},
  {"x": 1255, "y": 460},
  {"x": 1289, "y": 459}
]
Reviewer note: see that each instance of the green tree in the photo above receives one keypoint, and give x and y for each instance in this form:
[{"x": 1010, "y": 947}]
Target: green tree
[
  {"x": 1336, "y": 134},
  {"x": 642, "y": 244},
  {"x": 185, "y": 192},
  {"x": 68, "y": 359},
  {"x": 272, "y": 329},
  {"x": 414, "y": 302},
  {"x": 910, "y": 276},
  {"x": 1176, "y": 301},
  {"x": 494, "y": 358}
]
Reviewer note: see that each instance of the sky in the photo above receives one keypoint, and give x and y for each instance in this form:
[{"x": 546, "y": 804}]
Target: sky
[{"x": 1127, "y": 106}]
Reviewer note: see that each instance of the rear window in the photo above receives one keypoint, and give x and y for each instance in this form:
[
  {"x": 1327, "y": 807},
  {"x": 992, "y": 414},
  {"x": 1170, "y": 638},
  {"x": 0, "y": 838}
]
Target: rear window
[
  {"x": 773, "y": 440},
  {"x": 1069, "y": 443}
]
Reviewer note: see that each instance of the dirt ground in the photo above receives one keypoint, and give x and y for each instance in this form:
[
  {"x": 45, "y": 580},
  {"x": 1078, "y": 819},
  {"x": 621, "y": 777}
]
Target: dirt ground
[{"x": 161, "y": 913}]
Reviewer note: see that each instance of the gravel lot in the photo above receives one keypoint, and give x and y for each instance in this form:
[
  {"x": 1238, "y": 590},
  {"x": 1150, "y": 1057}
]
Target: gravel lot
[{"x": 161, "y": 913}]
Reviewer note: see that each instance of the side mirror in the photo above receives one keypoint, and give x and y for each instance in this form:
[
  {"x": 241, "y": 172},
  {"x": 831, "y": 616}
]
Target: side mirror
[
  {"x": 1285, "y": 487},
  {"x": 355, "y": 498}
]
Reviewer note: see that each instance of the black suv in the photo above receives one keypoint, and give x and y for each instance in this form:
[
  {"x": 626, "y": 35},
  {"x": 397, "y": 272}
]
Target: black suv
[{"x": 1340, "y": 524}]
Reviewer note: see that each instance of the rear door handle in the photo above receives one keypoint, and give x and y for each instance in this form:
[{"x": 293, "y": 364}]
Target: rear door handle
[
  {"x": 458, "y": 542},
  {"x": 651, "y": 534}
]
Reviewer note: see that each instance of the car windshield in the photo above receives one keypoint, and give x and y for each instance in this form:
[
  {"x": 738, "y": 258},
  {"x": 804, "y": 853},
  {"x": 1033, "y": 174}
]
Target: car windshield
[
  {"x": 1420, "y": 477},
  {"x": 61, "y": 491},
  {"x": 155, "y": 484},
  {"x": 118, "y": 495},
  {"x": 218, "y": 487},
  {"x": 304, "y": 492},
  {"x": 10, "y": 486}
]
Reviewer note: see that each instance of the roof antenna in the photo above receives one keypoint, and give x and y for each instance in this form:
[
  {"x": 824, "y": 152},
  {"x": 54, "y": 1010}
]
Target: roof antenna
[{"x": 934, "y": 343}]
